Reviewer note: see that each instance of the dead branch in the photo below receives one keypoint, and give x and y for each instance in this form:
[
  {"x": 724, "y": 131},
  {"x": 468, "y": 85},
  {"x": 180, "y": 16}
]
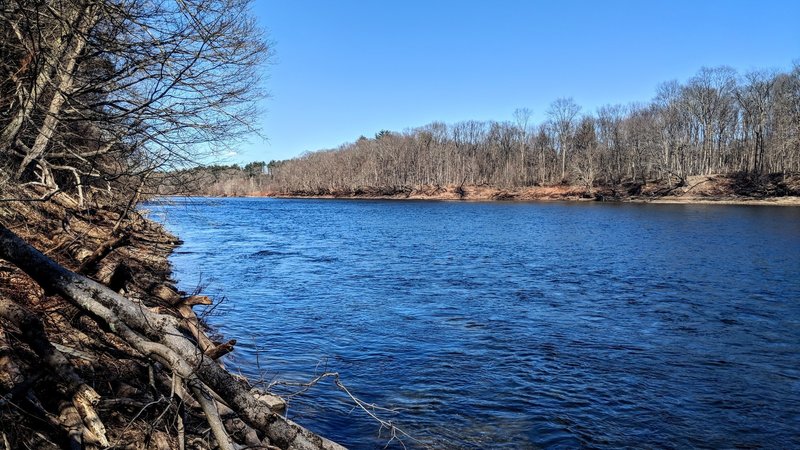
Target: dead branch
[
  {"x": 193, "y": 325},
  {"x": 221, "y": 350},
  {"x": 166, "y": 293},
  {"x": 44, "y": 198},
  {"x": 212, "y": 416},
  {"x": 70, "y": 421},
  {"x": 181, "y": 429},
  {"x": 90, "y": 263},
  {"x": 396, "y": 434},
  {"x": 245, "y": 434},
  {"x": 193, "y": 300}
]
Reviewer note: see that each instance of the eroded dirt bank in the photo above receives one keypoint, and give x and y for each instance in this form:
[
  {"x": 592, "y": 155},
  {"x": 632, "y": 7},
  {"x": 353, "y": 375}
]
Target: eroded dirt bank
[
  {"x": 716, "y": 189},
  {"x": 72, "y": 378}
]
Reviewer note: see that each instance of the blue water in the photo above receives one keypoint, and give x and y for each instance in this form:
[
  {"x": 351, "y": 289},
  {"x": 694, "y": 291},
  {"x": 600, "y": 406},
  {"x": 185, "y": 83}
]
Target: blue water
[{"x": 510, "y": 325}]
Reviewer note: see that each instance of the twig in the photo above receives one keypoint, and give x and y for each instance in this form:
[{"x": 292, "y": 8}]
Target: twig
[
  {"x": 180, "y": 426},
  {"x": 136, "y": 416},
  {"x": 396, "y": 434}
]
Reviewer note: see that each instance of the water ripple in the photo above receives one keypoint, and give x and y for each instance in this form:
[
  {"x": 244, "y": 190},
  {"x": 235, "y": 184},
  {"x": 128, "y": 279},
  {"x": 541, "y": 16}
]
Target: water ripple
[{"x": 512, "y": 325}]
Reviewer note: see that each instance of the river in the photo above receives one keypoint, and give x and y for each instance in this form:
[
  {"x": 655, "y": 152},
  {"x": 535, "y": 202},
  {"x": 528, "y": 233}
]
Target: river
[{"x": 509, "y": 325}]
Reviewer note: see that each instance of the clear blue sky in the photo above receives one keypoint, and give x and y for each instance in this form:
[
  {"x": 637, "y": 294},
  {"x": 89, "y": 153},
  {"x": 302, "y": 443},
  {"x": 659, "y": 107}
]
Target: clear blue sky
[{"x": 346, "y": 68}]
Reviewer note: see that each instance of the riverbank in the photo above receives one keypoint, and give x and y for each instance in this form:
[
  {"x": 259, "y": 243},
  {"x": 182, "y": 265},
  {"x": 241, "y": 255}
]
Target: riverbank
[
  {"x": 710, "y": 189},
  {"x": 77, "y": 380}
]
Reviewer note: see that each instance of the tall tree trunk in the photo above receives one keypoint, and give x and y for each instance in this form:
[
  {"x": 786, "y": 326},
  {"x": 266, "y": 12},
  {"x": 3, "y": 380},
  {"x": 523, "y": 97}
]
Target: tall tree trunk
[{"x": 84, "y": 20}]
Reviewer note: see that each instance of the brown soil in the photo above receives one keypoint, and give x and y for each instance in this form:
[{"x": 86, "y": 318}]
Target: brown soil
[{"x": 719, "y": 189}]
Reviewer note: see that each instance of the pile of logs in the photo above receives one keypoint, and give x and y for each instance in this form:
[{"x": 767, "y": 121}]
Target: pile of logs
[{"x": 170, "y": 338}]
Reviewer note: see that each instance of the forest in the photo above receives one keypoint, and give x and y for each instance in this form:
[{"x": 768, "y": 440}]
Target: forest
[{"x": 717, "y": 122}]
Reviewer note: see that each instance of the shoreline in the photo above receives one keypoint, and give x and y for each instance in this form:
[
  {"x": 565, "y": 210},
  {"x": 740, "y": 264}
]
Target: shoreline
[
  {"x": 704, "y": 189},
  {"x": 665, "y": 200},
  {"x": 721, "y": 200}
]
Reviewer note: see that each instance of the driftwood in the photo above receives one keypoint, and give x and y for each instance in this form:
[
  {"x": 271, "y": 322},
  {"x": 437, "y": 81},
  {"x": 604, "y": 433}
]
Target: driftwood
[
  {"x": 196, "y": 300},
  {"x": 89, "y": 265},
  {"x": 158, "y": 336},
  {"x": 193, "y": 325},
  {"x": 166, "y": 293},
  {"x": 221, "y": 350}
]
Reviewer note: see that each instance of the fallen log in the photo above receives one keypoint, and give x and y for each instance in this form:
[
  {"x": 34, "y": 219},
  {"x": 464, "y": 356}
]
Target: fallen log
[{"x": 158, "y": 335}]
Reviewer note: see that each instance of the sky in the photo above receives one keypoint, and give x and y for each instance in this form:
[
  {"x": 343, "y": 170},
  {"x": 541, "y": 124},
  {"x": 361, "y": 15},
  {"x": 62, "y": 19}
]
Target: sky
[{"x": 342, "y": 69}]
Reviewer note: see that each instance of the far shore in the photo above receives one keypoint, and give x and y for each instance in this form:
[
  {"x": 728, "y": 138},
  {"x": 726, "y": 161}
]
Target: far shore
[
  {"x": 703, "y": 189},
  {"x": 767, "y": 201},
  {"x": 691, "y": 200}
]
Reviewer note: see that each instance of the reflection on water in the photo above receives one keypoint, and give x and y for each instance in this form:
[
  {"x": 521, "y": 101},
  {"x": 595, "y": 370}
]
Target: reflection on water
[{"x": 517, "y": 325}]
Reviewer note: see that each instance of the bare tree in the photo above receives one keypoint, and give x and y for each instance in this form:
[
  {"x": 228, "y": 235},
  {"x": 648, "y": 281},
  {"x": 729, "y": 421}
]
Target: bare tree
[
  {"x": 754, "y": 97},
  {"x": 609, "y": 126},
  {"x": 522, "y": 118},
  {"x": 563, "y": 113},
  {"x": 586, "y": 151},
  {"x": 710, "y": 99},
  {"x": 110, "y": 91}
]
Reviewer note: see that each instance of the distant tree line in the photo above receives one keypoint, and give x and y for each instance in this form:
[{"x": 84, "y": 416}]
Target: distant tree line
[
  {"x": 216, "y": 180},
  {"x": 715, "y": 123}
]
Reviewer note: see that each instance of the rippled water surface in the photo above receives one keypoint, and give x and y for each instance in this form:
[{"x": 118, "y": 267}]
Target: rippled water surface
[{"x": 511, "y": 325}]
